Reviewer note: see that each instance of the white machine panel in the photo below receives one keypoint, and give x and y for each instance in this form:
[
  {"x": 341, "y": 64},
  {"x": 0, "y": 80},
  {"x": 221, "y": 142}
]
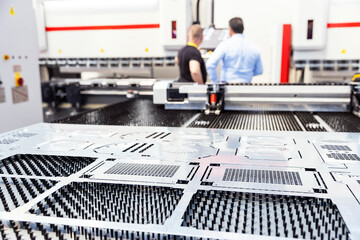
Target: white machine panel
[
  {"x": 103, "y": 29},
  {"x": 20, "y": 97},
  {"x": 310, "y": 25}
]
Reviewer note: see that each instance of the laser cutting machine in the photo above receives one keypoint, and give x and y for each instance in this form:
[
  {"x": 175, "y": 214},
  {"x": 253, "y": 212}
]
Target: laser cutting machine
[{"x": 174, "y": 161}]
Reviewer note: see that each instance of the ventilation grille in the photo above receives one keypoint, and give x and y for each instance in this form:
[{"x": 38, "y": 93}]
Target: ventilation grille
[
  {"x": 138, "y": 147},
  {"x": 158, "y": 135},
  {"x": 262, "y": 176},
  {"x": 148, "y": 170},
  {"x": 336, "y": 147},
  {"x": 344, "y": 156},
  {"x": 8, "y": 140}
]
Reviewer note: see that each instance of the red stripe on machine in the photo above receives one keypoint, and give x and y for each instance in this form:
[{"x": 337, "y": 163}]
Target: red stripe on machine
[
  {"x": 343, "y": 25},
  {"x": 285, "y": 54},
  {"x": 111, "y": 27}
]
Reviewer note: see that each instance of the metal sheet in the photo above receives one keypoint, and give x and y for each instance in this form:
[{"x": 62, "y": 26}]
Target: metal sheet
[{"x": 178, "y": 196}]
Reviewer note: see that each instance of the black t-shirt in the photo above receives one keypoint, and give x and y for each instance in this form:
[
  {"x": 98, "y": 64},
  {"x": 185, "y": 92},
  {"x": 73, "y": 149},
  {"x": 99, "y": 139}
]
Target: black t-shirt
[{"x": 186, "y": 54}]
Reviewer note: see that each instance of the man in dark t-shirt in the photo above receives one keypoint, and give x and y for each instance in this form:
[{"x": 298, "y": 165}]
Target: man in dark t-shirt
[{"x": 191, "y": 64}]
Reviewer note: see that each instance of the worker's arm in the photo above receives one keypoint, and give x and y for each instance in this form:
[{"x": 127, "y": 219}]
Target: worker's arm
[
  {"x": 195, "y": 71},
  {"x": 213, "y": 61},
  {"x": 258, "y": 70},
  {"x": 176, "y": 60}
]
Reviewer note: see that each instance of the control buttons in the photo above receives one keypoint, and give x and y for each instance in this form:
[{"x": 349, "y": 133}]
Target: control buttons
[
  {"x": 19, "y": 82},
  {"x": 6, "y": 57}
]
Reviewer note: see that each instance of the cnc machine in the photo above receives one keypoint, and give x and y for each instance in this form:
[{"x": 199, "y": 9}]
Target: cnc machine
[{"x": 169, "y": 160}]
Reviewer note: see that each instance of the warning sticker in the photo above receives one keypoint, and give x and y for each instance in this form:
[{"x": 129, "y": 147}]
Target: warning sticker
[
  {"x": 2, "y": 94},
  {"x": 20, "y": 94},
  {"x": 12, "y": 12}
]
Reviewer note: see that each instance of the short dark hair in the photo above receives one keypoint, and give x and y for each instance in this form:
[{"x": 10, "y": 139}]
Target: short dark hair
[{"x": 237, "y": 25}]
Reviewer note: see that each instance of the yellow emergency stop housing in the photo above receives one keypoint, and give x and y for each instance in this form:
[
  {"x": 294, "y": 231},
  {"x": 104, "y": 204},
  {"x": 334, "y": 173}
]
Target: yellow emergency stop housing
[
  {"x": 356, "y": 77},
  {"x": 18, "y": 79}
]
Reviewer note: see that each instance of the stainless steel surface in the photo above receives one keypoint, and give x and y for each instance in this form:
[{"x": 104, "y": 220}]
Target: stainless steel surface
[{"x": 297, "y": 171}]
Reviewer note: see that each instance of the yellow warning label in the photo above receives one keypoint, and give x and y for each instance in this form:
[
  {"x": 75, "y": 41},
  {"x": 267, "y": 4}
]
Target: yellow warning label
[
  {"x": 102, "y": 50},
  {"x": 59, "y": 51},
  {"x": 343, "y": 51},
  {"x": 12, "y": 12},
  {"x": 146, "y": 49}
]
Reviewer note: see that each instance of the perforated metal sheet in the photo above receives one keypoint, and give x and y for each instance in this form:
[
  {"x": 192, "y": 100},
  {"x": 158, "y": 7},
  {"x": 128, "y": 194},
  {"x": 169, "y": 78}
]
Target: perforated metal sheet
[{"x": 308, "y": 193}]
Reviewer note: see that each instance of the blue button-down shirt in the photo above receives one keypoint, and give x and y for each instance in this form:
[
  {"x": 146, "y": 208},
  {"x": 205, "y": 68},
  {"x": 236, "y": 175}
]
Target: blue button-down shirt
[{"x": 240, "y": 57}]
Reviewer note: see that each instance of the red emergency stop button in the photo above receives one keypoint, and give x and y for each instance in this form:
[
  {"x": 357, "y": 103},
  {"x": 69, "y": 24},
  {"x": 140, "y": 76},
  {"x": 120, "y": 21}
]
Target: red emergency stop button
[
  {"x": 6, "y": 57},
  {"x": 20, "y": 82}
]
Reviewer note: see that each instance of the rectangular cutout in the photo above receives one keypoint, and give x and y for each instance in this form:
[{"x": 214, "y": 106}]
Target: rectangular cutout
[
  {"x": 173, "y": 30},
  {"x": 310, "y": 28},
  {"x": 262, "y": 176},
  {"x": 136, "y": 169}
]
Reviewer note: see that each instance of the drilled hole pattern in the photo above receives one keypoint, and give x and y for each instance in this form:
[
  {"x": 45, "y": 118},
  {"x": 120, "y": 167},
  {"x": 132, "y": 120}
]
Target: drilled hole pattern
[
  {"x": 43, "y": 165},
  {"x": 111, "y": 202},
  {"x": 148, "y": 170},
  {"x": 262, "y": 176},
  {"x": 265, "y": 214},
  {"x": 41, "y": 231},
  {"x": 15, "y": 192}
]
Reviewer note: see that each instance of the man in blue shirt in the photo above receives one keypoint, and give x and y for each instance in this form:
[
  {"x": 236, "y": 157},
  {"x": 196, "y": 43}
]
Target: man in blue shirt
[{"x": 240, "y": 57}]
